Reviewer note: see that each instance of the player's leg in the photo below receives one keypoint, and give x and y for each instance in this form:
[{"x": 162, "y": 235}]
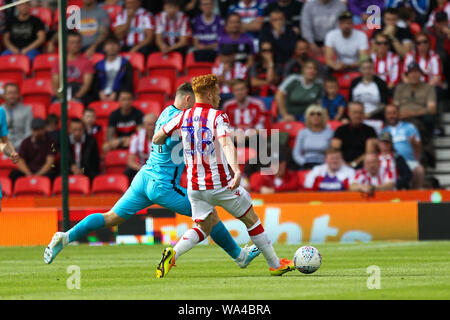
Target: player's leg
[
  {"x": 238, "y": 203},
  {"x": 132, "y": 201}
]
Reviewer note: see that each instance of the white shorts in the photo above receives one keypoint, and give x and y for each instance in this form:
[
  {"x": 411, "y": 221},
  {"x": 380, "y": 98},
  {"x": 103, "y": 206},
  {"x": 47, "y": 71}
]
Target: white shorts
[
  {"x": 413, "y": 164},
  {"x": 237, "y": 202}
]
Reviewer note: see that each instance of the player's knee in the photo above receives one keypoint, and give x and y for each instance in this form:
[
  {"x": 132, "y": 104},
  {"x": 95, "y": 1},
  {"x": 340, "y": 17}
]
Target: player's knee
[
  {"x": 112, "y": 219},
  {"x": 250, "y": 218}
]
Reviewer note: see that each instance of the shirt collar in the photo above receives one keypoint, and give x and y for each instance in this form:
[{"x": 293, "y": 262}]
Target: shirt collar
[{"x": 202, "y": 105}]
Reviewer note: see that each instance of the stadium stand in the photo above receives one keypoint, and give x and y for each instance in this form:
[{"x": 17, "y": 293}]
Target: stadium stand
[
  {"x": 78, "y": 185},
  {"x": 32, "y": 186},
  {"x": 109, "y": 184}
]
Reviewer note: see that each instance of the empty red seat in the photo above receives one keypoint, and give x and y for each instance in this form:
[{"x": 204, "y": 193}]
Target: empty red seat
[
  {"x": 116, "y": 161},
  {"x": 180, "y": 80},
  {"x": 6, "y": 165},
  {"x": 14, "y": 67},
  {"x": 74, "y": 109},
  {"x": 109, "y": 184},
  {"x": 334, "y": 124},
  {"x": 345, "y": 79},
  {"x": 45, "y": 14},
  {"x": 169, "y": 65},
  {"x": 32, "y": 186},
  {"x": 37, "y": 90},
  {"x": 302, "y": 177},
  {"x": 149, "y": 107},
  {"x": 196, "y": 68},
  {"x": 103, "y": 109},
  {"x": 154, "y": 88},
  {"x": 38, "y": 109},
  {"x": 292, "y": 128},
  {"x": 78, "y": 185},
  {"x": 136, "y": 59},
  {"x": 42, "y": 65},
  {"x": 6, "y": 184}
]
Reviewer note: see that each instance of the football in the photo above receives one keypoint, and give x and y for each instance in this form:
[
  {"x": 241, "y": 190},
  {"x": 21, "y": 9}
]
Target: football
[{"x": 307, "y": 259}]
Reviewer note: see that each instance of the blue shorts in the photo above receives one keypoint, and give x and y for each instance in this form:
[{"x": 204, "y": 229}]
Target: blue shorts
[{"x": 145, "y": 191}]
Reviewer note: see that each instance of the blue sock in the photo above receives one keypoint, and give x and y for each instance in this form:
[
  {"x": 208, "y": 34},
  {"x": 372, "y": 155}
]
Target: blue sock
[
  {"x": 223, "y": 238},
  {"x": 91, "y": 223}
]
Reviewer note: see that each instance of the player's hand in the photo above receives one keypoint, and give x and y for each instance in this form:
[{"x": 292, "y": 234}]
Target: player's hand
[{"x": 236, "y": 181}]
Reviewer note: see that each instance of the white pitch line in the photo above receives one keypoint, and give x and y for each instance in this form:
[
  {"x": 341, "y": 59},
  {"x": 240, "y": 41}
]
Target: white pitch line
[
  {"x": 6, "y": 6},
  {"x": 382, "y": 245}
]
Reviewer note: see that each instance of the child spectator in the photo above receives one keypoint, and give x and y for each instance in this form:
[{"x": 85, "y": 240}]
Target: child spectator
[{"x": 332, "y": 100}]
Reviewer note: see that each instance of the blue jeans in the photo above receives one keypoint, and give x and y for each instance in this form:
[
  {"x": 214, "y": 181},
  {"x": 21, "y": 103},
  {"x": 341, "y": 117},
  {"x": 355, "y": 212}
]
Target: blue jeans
[{"x": 30, "y": 54}]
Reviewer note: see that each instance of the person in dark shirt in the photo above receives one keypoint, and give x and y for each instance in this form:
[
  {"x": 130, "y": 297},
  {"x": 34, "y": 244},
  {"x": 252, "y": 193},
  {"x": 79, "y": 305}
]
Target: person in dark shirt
[
  {"x": 24, "y": 33},
  {"x": 37, "y": 154},
  {"x": 84, "y": 157},
  {"x": 355, "y": 138},
  {"x": 122, "y": 123},
  {"x": 292, "y": 11},
  {"x": 264, "y": 74}
]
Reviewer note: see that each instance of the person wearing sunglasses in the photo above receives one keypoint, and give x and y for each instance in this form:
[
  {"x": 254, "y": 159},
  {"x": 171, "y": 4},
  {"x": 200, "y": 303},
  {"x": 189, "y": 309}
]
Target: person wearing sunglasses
[
  {"x": 264, "y": 74},
  {"x": 386, "y": 63}
]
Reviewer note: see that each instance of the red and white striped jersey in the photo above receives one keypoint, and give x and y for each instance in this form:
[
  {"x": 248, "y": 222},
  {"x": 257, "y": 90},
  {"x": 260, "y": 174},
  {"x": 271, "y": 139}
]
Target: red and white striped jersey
[
  {"x": 387, "y": 164},
  {"x": 140, "y": 145},
  {"x": 142, "y": 21},
  {"x": 239, "y": 71},
  {"x": 430, "y": 64},
  {"x": 201, "y": 126},
  {"x": 173, "y": 29},
  {"x": 364, "y": 177},
  {"x": 387, "y": 68},
  {"x": 246, "y": 116},
  {"x": 320, "y": 178}
]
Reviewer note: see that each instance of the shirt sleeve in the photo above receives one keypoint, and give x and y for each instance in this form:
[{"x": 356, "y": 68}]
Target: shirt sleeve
[
  {"x": 222, "y": 124},
  {"x": 173, "y": 124},
  {"x": 120, "y": 19},
  {"x": 133, "y": 144},
  {"x": 3, "y": 124}
]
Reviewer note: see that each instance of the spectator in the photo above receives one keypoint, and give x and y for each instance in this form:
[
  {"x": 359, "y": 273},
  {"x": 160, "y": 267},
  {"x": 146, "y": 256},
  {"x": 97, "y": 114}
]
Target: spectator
[
  {"x": 372, "y": 178},
  {"x": 345, "y": 46},
  {"x": 227, "y": 69},
  {"x": 80, "y": 71},
  {"x": 18, "y": 116},
  {"x": 206, "y": 30},
  {"x": 93, "y": 129},
  {"x": 283, "y": 181},
  {"x": 24, "y": 33},
  {"x": 244, "y": 112},
  {"x": 301, "y": 55},
  {"x": 37, "y": 154},
  {"x": 84, "y": 157},
  {"x": 358, "y": 9},
  {"x": 400, "y": 38},
  {"x": 122, "y": 123},
  {"x": 242, "y": 42},
  {"x": 224, "y": 7},
  {"x": 333, "y": 175},
  {"x": 112, "y": 74},
  {"x": 418, "y": 104},
  {"x": 391, "y": 161},
  {"x": 407, "y": 143},
  {"x": 172, "y": 29},
  {"x": 386, "y": 63},
  {"x": 264, "y": 74},
  {"x": 442, "y": 6},
  {"x": 355, "y": 138},
  {"x": 280, "y": 35},
  {"x": 140, "y": 146},
  {"x": 418, "y": 8},
  {"x": 297, "y": 92},
  {"x": 134, "y": 26},
  {"x": 427, "y": 59},
  {"x": 251, "y": 14},
  {"x": 312, "y": 142},
  {"x": 52, "y": 129},
  {"x": 317, "y": 18},
  {"x": 332, "y": 101},
  {"x": 291, "y": 9},
  {"x": 440, "y": 36},
  {"x": 370, "y": 90},
  {"x": 95, "y": 23}
]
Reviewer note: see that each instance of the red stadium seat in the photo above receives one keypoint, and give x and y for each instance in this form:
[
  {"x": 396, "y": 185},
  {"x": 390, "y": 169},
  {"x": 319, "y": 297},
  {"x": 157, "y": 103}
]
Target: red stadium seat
[
  {"x": 6, "y": 165},
  {"x": 37, "y": 90},
  {"x": 103, "y": 109},
  {"x": 136, "y": 59},
  {"x": 168, "y": 65},
  {"x": 113, "y": 11},
  {"x": 14, "y": 67},
  {"x": 345, "y": 79},
  {"x": 32, "y": 186},
  {"x": 78, "y": 185},
  {"x": 45, "y": 14},
  {"x": 42, "y": 65},
  {"x": 302, "y": 177},
  {"x": 109, "y": 184},
  {"x": 195, "y": 68},
  {"x": 6, "y": 184},
  {"x": 180, "y": 80},
  {"x": 292, "y": 127},
  {"x": 334, "y": 124},
  {"x": 154, "y": 89},
  {"x": 116, "y": 161},
  {"x": 96, "y": 57},
  {"x": 74, "y": 109},
  {"x": 149, "y": 107},
  {"x": 244, "y": 155},
  {"x": 38, "y": 109},
  {"x": 78, "y": 3}
]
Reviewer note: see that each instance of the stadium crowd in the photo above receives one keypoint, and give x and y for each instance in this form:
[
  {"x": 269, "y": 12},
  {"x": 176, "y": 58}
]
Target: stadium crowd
[{"x": 357, "y": 98}]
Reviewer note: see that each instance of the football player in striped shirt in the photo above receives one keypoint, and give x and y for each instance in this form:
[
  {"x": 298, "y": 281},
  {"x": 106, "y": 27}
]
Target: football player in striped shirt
[{"x": 208, "y": 150}]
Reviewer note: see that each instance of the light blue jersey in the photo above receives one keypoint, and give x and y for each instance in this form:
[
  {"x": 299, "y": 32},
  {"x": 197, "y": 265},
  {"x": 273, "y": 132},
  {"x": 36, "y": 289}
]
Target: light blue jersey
[
  {"x": 161, "y": 164},
  {"x": 3, "y": 132}
]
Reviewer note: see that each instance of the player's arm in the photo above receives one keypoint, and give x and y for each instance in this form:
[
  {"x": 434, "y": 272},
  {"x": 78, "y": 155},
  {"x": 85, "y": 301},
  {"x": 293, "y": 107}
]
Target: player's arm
[
  {"x": 167, "y": 130},
  {"x": 229, "y": 150},
  {"x": 160, "y": 137},
  {"x": 8, "y": 149}
]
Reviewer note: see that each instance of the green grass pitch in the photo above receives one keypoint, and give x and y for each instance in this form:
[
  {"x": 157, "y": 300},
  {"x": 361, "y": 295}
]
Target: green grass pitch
[{"x": 408, "y": 270}]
